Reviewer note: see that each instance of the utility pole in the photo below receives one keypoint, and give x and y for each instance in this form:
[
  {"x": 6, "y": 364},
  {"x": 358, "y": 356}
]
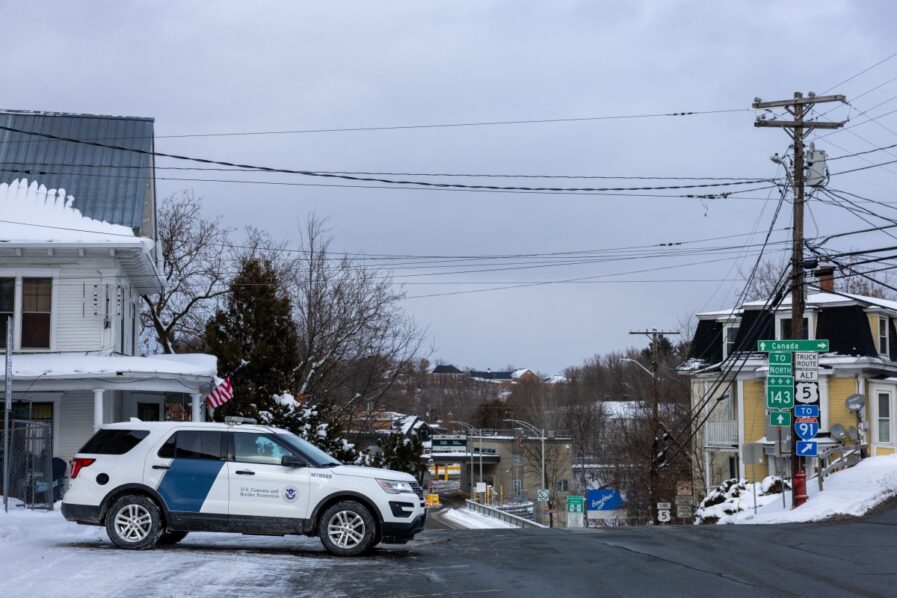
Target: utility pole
[
  {"x": 655, "y": 335},
  {"x": 798, "y": 128},
  {"x": 7, "y": 408}
]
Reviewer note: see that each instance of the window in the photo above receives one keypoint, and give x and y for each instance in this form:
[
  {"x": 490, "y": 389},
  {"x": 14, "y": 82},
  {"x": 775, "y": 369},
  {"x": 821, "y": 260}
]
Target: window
[
  {"x": 7, "y": 305},
  {"x": 113, "y": 442},
  {"x": 785, "y": 328},
  {"x": 148, "y": 412},
  {"x": 883, "y": 425},
  {"x": 562, "y": 485},
  {"x": 250, "y": 447},
  {"x": 190, "y": 444},
  {"x": 883, "y": 335},
  {"x": 730, "y": 333},
  {"x": 36, "y": 300}
]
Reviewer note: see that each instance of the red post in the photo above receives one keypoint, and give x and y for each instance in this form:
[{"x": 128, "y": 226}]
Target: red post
[{"x": 799, "y": 483}]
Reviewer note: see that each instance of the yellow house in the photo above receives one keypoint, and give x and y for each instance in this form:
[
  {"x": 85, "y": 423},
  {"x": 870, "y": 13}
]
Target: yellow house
[{"x": 728, "y": 381}]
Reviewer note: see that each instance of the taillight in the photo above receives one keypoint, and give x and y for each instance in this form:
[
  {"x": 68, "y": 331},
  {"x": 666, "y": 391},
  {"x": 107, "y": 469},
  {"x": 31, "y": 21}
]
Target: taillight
[{"x": 79, "y": 463}]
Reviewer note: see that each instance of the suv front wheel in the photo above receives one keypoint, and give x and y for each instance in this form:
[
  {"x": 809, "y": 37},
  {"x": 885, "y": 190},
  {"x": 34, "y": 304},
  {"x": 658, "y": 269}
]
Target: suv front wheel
[
  {"x": 134, "y": 523},
  {"x": 347, "y": 528}
]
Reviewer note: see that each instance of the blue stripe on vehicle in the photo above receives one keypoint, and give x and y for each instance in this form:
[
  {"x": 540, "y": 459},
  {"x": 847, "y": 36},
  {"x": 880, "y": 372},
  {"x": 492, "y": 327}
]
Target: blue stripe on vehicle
[{"x": 187, "y": 484}]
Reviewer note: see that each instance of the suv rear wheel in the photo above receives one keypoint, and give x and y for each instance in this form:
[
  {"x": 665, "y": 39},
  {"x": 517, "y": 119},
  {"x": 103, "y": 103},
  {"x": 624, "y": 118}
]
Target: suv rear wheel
[
  {"x": 347, "y": 528},
  {"x": 134, "y": 523}
]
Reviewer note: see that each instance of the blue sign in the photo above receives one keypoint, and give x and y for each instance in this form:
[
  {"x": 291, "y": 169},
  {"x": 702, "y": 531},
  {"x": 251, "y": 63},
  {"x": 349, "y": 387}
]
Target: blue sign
[
  {"x": 806, "y": 448},
  {"x": 806, "y": 411},
  {"x": 806, "y": 431},
  {"x": 606, "y": 499}
]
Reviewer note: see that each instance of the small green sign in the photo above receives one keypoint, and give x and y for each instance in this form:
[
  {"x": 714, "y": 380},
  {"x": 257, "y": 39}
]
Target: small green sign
[
  {"x": 780, "y": 398},
  {"x": 779, "y": 358},
  {"x": 790, "y": 345},
  {"x": 576, "y": 504},
  {"x": 780, "y": 370},
  {"x": 780, "y": 419},
  {"x": 780, "y": 381}
]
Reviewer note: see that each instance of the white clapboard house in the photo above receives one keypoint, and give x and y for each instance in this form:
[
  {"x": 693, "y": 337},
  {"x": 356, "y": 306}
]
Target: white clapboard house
[{"x": 77, "y": 250}]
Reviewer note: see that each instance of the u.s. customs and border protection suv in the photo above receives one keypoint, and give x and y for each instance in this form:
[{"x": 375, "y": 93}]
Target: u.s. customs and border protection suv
[{"x": 151, "y": 483}]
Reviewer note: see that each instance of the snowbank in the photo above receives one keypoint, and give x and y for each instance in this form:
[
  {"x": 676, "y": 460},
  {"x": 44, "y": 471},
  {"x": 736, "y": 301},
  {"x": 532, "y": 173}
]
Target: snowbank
[
  {"x": 472, "y": 520},
  {"x": 851, "y": 492}
]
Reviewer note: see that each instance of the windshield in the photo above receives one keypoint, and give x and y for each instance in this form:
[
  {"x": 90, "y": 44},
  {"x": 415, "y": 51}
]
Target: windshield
[{"x": 316, "y": 456}]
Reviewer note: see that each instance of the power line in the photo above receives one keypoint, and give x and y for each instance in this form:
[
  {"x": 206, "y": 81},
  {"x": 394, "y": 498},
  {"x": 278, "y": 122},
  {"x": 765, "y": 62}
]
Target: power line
[{"x": 865, "y": 70}]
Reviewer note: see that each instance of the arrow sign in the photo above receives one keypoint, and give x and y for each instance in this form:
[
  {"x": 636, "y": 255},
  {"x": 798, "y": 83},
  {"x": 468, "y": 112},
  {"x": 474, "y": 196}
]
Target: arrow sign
[
  {"x": 818, "y": 345},
  {"x": 806, "y": 448},
  {"x": 780, "y": 419}
]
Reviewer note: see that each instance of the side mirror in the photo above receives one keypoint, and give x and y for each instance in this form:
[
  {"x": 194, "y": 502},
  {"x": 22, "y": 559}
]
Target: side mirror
[{"x": 292, "y": 461}]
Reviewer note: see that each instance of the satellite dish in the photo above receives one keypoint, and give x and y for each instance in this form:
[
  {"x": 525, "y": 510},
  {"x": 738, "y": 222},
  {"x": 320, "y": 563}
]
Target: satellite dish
[
  {"x": 852, "y": 432},
  {"x": 855, "y": 402},
  {"x": 838, "y": 432}
]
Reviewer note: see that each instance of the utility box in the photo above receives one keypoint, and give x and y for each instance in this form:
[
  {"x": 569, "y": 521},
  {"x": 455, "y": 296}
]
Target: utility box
[{"x": 817, "y": 171}]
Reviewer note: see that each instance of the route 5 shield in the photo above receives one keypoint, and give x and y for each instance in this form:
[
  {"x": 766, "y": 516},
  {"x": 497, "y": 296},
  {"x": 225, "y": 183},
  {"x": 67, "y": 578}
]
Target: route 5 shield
[{"x": 807, "y": 392}]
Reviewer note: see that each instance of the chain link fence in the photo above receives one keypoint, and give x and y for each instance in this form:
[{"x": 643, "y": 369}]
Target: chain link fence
[{"x": 36, "y": 479}]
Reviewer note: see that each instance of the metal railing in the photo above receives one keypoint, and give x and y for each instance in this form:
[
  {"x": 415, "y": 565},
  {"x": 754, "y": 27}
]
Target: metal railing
[
  {"x": 849, "y": 456},
  {"x": 501, "y": 515},
  {"x": 722, "y": 434}
]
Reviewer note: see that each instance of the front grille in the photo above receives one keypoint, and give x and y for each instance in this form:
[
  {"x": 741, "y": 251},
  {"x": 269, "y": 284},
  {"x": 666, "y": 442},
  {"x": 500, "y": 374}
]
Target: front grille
[{"x": 417, "y": 490}]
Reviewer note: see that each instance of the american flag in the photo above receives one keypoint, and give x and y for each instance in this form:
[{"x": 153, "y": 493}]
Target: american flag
[{"x": 221, "y": 394}]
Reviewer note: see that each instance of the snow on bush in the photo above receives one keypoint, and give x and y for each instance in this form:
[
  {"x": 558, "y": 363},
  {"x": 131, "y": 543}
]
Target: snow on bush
[{"x": 733, "y": 496}]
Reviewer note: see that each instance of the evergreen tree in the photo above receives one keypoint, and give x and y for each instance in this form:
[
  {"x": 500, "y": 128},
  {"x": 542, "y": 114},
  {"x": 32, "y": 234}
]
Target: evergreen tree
[
  {"x": 256, "y": 327},
  {"x": 400, "y": 454}
]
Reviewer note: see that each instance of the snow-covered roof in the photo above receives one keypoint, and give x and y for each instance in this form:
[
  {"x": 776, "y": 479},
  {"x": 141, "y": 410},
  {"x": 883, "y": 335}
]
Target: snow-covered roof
[
  {"x": 35, "y": 214},
  {"x": 517, "y": 374},
  {"x": 815, "y": 299},
  {"x": 556, "y": 379},
  {"x": 85, "y": 365}
]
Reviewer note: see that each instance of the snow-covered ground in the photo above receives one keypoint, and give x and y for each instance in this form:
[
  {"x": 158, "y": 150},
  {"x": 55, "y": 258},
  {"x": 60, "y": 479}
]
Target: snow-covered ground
[
  {"x": 851, "y": 492},
  {"x": 43, "y": 555},
  {"x": 472, "y": 520}
]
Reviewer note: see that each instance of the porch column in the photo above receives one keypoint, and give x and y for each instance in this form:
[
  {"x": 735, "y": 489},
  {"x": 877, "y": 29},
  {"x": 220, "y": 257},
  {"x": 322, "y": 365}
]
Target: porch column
[
  {"x": 196, "y": 405},
  {"x": 97, "y": 408}
]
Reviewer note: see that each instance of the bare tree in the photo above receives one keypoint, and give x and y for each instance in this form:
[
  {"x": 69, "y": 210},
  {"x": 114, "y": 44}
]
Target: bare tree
[
  {"x": 195, "y": 270},
  {"x": 354, "y": 337}
]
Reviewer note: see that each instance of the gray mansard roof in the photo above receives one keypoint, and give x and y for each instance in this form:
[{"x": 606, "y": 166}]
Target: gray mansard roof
[{"x": 108, "y": 184}]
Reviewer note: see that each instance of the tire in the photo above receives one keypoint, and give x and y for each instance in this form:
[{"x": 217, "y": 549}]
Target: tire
[
  {"x": 171, "y": 538},
  {"x": 134, "y": 523},
  {"x": 347, "y": 529}
]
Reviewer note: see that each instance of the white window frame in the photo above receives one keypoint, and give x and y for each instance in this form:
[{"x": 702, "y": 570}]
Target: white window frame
[
  {"x": 18, "y": 274},
  {"x": 883, "y": 319},
  {"x": 876, "y": 391},
  {"x": 726, "y": 328},
  {"x": 809, "y": 317}
]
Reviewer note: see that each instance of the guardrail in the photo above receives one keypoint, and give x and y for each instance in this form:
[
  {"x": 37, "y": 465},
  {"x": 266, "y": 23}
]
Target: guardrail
[
  {"x": 850, "y": 456},
  {"x": 501, "y": 515}
]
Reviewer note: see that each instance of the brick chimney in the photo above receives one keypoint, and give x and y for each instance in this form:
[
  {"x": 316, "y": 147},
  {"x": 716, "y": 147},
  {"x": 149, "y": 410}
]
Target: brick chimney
[{"x": 826, "y": 277}]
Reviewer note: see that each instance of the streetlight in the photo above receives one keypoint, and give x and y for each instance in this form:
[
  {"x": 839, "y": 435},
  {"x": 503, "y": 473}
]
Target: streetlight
[
  {"x": 534, "y": 430},
  {"x": 639, "y": 363}
]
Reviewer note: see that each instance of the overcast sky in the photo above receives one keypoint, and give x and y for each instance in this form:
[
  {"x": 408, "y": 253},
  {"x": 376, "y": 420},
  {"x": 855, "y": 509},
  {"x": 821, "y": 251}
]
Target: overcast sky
[{"x": 203, "y": 67}]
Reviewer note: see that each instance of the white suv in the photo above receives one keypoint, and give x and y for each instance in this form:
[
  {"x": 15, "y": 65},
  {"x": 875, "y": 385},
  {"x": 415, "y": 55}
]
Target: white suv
[{"x": 153, "y": 482}]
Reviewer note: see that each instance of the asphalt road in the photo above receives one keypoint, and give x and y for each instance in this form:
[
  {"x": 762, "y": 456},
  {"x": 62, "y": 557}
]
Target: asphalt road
[{"x": 857, "y": 557}]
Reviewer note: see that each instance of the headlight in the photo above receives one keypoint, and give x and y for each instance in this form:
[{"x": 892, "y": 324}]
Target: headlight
[{"x": 395, "y": 487}]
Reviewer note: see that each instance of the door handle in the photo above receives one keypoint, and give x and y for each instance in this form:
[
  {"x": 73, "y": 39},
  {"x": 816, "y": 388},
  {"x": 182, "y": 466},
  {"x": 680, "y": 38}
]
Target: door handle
[
  {"x": 161, "y": 466},
  {"x": 245, "y": 472}
]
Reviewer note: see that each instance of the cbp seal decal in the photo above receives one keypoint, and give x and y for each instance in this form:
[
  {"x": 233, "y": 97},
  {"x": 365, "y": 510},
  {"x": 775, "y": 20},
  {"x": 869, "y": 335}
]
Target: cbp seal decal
[{"x": 290, "y": 494}]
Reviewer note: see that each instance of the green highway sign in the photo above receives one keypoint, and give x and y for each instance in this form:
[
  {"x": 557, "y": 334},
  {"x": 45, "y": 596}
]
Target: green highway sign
[
  {"x": 780, "y": 419},
  {"x": 780, "y": 370},
  {"x": 576, "y": 504},
  {"x": 779, "y": 358},
  {"x": 780, "y": 381},
  {"x": 790, "y": 345},
  {"x": 779, "y": 398}
]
